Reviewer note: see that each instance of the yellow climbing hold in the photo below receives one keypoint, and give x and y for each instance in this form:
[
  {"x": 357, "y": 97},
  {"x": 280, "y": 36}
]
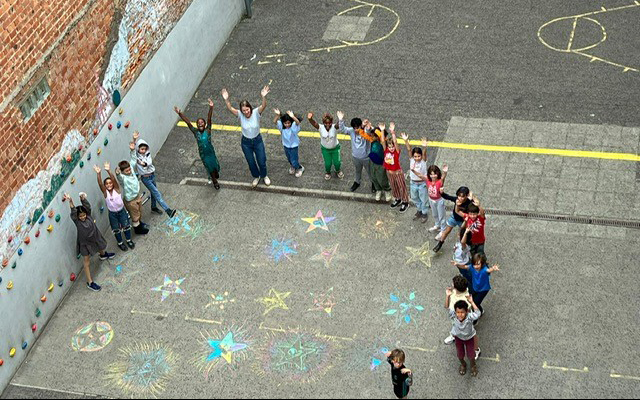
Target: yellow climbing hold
[
  {"x": 10, "y": 285},
  {"x": 99, "y": 151},
  {"x": 73, "y": 180},
  {"x": 50, "y": 228},
  {"x": 51, "y": 287},
  {"x": 120, "y": 111},
  {"x": 12, "y": 352},
  {"x": 18, "y": 228}
]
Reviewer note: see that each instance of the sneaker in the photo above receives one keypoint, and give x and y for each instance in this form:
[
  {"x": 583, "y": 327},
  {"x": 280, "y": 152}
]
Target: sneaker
[
  {"x": 449, "y": 340},
  {"x": 438, "y": 247},
  {"x": 373, "y": 188},
  {"x": 340, "y": 174},
  {"x": 156, "y": 210},
  {"x": 107, "y": 256},
  {"x": 299, "y": 172},
  {"x": 327, "y": 176},
  {"x": 404, "y": 207},
  {"x": 94, "y": 286},
  {"x": 439, "y": 236},
  {"x": 478, "y": 353},
  {"x": 131, "y": 244},
  {"x": 378, "y": 195},
  {"x": 292, "y": 170},
  {"x": 123, "y": 246},
  {"x": 396, "y": 203},
  {"x": 255, "y": 182},
  {"x": 417, "y": 215},
  {"x": 267, "y": 181},
  {"x": 388, "y": 197},
  {"x": 434, "y": 228},
  {"x": 354, "y": 187},
  {"x": 216, "y": 186},
  {"x": 171, "y": 213},
  {"x": 425, "y": 218}
]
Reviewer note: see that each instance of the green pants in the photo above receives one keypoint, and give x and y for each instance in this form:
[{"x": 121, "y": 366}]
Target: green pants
[
  {"x": 332, "y": 157},
  {"x": 379, "y": 178}
]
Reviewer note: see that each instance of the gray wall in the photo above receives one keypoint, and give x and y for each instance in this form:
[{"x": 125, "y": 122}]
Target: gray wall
[{"x": 170, "y": 78}]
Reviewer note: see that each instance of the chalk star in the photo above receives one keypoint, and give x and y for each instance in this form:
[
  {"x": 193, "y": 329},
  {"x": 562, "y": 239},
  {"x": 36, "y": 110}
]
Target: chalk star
[
  {"x": 319, "y": 221},
  {"x": 296, "y": 353},
  {"x": 282, "y": 249},
  {"x": 324, "y": 302},
  {"x": 327, "y": 254},
  {"x": 422, "y": 254},
  {"x": 275, "y": 301},
  {"x": 169, "y": 287},
  {"x": 225, "y": 348}
]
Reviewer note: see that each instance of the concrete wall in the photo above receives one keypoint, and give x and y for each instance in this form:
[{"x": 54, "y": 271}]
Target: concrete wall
[{"x": 169, "y": 79}]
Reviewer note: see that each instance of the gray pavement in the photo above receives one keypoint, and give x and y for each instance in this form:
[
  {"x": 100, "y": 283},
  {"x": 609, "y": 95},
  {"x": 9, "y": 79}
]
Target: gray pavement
[{"x": 558, "y": 303}]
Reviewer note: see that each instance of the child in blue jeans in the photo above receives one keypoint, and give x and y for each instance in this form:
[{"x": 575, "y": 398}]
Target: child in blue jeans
[
  {"x": 289, "y": 127},
  {"x": 118, "y": 217},
  {"x": 418, "y": 188},
  {"x": 147, "y": 171}
]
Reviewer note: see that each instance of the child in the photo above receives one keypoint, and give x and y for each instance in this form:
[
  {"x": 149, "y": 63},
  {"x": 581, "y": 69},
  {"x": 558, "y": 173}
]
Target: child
[
  {"x": 90, "y": 241},
  {"x": 329, "y": 144},
  {"x": 474, "y": 220},
  {"x": 435, "y": 182},
  {"x": 205, "y": 148},
  {"x": 379, "y": 177},
  {"x": 289, "y": 127},
  {"x": 118, "y": 217},
  {"x": 144, "y": 163},
  {"x": 360, "y": 147},
  {"x": 463, "y": 202},
  {"x": 418, "y": 186},
  {"x": 478, "y": 273},
  {"x": 461, "y": 251},
  {"x": 401, "y": 376},
  {"x": 394, "y": 170},
  {"x": 463, "y": 330},
  {"x": 132, "y": 199},
  {"x": 460, "y": 291}
]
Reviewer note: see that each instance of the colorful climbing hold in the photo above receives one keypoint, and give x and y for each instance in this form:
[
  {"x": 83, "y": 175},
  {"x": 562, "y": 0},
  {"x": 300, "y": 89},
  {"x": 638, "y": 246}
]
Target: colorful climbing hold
[
  {"x": 120, "y": 111},
  {"x": 62, "y": 174},
  {"x": 119, "y": 124},
  {"x": 1, "y": 362},
  {"x": 50, "y": 289},
  {"x": 81, "y": 164},
  {"x": 99, "y": 151},
  {"x": 34, "y": 328},
  {"x": 10, "y": 285},
  {"x": 51, "y": 214},
  {"x": 80, "y": 147},
  {"x": 5, "y": 262},
  {"x": 58, "y": 218},
  {"x": 95, "y": 132},
  {"x": 106, "y": 141},
  {"x": 43, "y": 299},
  {"x": 41, "y": 220},
  {"x": 60, "y": 283},
  {"x": 69, "y": 158},
  {"x": 20, "y": 252},
  {"x": 38, "y": 312},
  {"x": 73, "y": 180},
  {"x": 110, "y": 126},
  {"x": 24, "y": 345},
  {"x": 64, "y": 199},
  {"x": 38, "y": 233},
  {"x": 27, "y": 240},
  {"x": 101, "y": 209},
  {"x": 10, "y": 239},
  {"x": 0, "y": 279},
  {"x": 78, "y": 256},
  {"x": 14, "y": 265},
  {"x": 89, "y": 157},
  {"x": 50, "y": 228},
  {"x": 18, "y": 228},
  {"x": 73, "y": 277},
  {"x": 127, "y": 124},
  {"x": 12, "y": 352}
]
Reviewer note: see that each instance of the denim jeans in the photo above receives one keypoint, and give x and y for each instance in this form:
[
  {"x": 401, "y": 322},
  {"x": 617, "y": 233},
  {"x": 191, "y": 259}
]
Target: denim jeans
[
  {"x": 120, "y": 222},
  {"x": 420, "y": 196},
  {"x": 256, "y": 156},
  {"x": 292, "y": 157},
  {"x": 156, "y": 196}
]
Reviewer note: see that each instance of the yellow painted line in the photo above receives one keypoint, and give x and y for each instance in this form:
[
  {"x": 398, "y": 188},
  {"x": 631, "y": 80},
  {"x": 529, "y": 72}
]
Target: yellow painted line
[
  {"x": 149, "y": 313},
  {"x": 464, "y": 146},
  {"x": 204, "y": 321},
  {"x": 614, "y": 375},
  {"x": 433, "y": 350},
  {"x": 565, "y": 369}
]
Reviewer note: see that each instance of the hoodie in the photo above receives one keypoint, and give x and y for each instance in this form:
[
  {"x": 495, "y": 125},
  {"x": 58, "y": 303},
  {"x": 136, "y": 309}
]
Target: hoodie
[{"x": 144, "y": 163}]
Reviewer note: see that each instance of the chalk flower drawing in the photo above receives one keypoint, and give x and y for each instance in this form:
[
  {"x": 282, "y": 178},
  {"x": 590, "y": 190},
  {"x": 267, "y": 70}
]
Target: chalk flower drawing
[{"x": 404, "y": 312}]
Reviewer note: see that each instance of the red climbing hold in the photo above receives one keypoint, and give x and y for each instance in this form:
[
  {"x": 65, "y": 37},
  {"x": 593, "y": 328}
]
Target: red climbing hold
[
  {"x": 95, "y": 132},
  {"x": 34, "y": 328},
  {"x": 43, "y": 299},
  {"x": 1, "y": 362},
  {"x": 110, "y": 126},
  {"x": 80, "y": 148},
  {"x": 27, "y": 240},
  {"x": 126, "y": 124},
  {"x": 38, "y": 233},
  {"x": 5, "y": 262},
  {"x": 73, "y": 277}
]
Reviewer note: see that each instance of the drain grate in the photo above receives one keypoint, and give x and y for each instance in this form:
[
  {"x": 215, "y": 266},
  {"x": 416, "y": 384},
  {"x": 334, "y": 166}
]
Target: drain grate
[{"x": 568, "y": 218}]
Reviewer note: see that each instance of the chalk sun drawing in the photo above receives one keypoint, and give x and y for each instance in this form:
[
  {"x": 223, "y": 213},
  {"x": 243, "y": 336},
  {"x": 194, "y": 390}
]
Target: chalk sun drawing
[
  {"x": 219, "y": 300},
  {"x": 144, "y": 369},
  {"x": 169, "y": 287},
  {"x": 223, "y": 349},
  {"x": 282, "y": 249},
  {"x": 92, "y": 337},
  {"x": 404, "y": 311},
  {"x": 378, "y": 225},
  {"x": 318, "y": 222}
]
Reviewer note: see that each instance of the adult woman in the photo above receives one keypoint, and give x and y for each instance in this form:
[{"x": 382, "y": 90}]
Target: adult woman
[
  {"x": 252, "y": 143},
  {"x": 205, "y": 148}
]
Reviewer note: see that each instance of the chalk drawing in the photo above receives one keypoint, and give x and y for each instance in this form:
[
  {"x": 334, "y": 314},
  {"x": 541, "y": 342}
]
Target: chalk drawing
[
  {"x": 324, "y": 302},
  {"x": 183, "y": 225},
  {"x": 327, "y": 255},
  {"x": 318, "y": 222},
  {"x": 119, "y": 278},
  {"x": 169, "y": 287},
  {"x": 274, "y": 300},
  {"x": 92, "y": 337},
  {"x": 282, "y": 249},
  {"x": 217, "y": 259},
  {"x": 378, "y": 225},
  {"x": 404, "y": 311},
  {"x": 220, "y": 300},
  {"x": 223, "y": 349},
  {"x": 367, "y": 355},
  {"x": 143, "y": 369},
  {"x": 422, "y": 254}
]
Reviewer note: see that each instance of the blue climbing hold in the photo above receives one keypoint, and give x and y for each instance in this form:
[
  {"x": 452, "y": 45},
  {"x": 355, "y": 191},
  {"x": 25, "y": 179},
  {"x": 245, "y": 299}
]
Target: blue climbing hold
[
  {"x": 61, "y": 283},
  {"x": 101, "y": 209},
  {"x": 89, "y": 157},
  {"x": 119, "y": 124},
  {"x": 19, "y": 252},
  {"x": 24, "y": 345},
  {"x": 41, "y": 220}
]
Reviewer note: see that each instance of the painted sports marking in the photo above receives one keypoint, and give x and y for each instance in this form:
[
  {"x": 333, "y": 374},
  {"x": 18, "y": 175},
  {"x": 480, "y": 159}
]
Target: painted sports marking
[
  {"x": 584, "y": 370},
  {"x": 464, "y": 146}
]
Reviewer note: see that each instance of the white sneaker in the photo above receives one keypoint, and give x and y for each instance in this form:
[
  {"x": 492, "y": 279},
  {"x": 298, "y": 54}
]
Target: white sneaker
[
  {"x": 388, "y": 197},
  {"x": 439, "y": 236},
  {"x": 449, "y": 340},
  {"x": 299, "y": 172},
  {"x": 478, "y": 353},
  {"x": 434, "y": 228},
  {"x": 292, "y": 170},
  {"x": 267, "y": 181},
  {"x": 379, "y": 195},
  {"x": 255, "y": 182},
  {"x": 340, "y": 175}
]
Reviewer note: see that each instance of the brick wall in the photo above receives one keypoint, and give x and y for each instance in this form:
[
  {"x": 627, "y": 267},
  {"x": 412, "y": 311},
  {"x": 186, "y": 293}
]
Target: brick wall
[{"x": 28, "y": 29}]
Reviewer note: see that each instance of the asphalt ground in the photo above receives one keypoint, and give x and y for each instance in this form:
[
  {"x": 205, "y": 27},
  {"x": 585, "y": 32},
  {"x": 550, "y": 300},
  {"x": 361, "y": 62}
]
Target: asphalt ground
[{"x": 560, "y": 320}]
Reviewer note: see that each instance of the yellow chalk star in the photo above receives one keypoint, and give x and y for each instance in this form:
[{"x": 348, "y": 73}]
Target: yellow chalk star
[
  {"x": 422, "y": 254},
  {"x": 276, "y": 300}
]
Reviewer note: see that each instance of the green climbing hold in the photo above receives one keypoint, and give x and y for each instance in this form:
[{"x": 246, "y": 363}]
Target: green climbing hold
[
  {"x": 78, "y": 256},
  {"x": 81, "y": 164},
  {"x": 15, "y": 264},
  {"x": 58, "y": 218},
  {"x": 38, "y": 312},
  {"x": 106, "y": 142}
]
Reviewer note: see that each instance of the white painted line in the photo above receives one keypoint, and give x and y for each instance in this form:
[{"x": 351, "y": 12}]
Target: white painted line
[
  {"x": 57, "y": 390},
  {"x": 149, "y": 313}
]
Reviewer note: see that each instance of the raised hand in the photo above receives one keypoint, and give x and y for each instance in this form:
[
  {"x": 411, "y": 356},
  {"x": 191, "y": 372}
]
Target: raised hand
[
  {"x": 132, "y": 145},
  {"x": 445, "y": 168},
  {"x": 310, "y": 115},
  {"x": 404, "y": 136},
  {"x": 392, "y": 126},
  {"x": 265, "y": 91},
  {"x": 276, "y": 111},
  {"x": 424, "y": 142},
  {"x": 405, "y": 371},
  {"x": 290, "y": 113},
  {"x": 449, "y": 291},
  {"x": 176, "y": 109},
  {"x": 66, "y": 197},
  {"x": 107, "y": 166},
  {"x": 382, "y": 126},
  {"x": 340, "y": 115},
  {"x": 136, "y": 135},
  {"x": 225, "y": 94},
  {"x": 97, "y": 169},
  {"x": 496, "y": 267},
  {"x": 210, "y": 102},
  {"x": 83, "y": 196}
]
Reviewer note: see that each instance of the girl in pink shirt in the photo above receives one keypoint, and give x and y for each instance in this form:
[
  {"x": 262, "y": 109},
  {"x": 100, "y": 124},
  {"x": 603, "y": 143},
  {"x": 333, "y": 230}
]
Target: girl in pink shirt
[{"x": 435, "y": 182}]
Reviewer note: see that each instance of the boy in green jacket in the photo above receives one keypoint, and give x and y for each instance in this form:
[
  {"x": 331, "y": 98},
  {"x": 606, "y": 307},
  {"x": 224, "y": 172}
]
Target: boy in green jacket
[{"x": 131, "y": 193}]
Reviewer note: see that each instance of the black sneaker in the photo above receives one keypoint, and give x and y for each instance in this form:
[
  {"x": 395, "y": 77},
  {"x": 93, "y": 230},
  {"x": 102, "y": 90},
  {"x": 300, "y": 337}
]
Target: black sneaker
[
  {"x": 396, "y": 203},
  {"x": 107, "y": 256},
  {"x": 94, "y": 286},
  {"x": 355, "y": 186},
  {"x": 123, "y": 246},
  {"x": 373, "y": 188},
  {"x": 417, "y": 216},
  {"x": 156, "y": 210},
  {"x": 404, "y": 207},
  {"x": 171, "y": 212},
  {"x": 131, "y": 244},
  {"x": 438, "y": 246},
  {"x": 141, "y": 229}
]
